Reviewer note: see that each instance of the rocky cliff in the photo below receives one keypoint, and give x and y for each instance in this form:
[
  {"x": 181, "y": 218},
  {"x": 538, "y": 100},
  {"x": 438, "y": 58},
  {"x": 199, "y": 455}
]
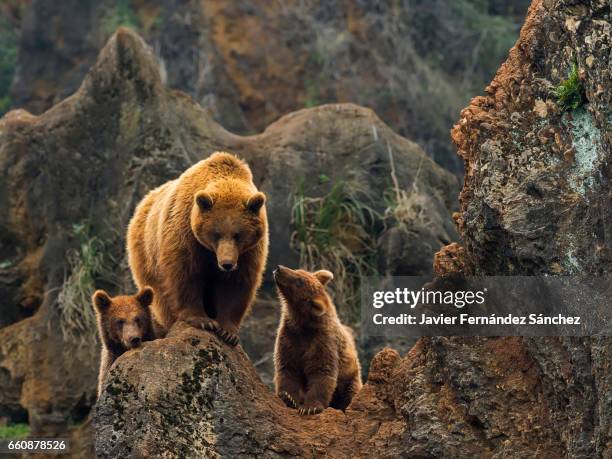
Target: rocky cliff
[
  {"x": 73, "y": 175},
  {"x": 249, "y": 63},
  {"x": 537, "y": 193},
  {"x": 536, "y": 200}
]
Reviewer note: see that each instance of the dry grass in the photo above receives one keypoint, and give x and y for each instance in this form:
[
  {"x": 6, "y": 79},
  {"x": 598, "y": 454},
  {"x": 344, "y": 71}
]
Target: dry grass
[
  {"x": 405, "y": 207},
  {"x": 88, "y": 263}
]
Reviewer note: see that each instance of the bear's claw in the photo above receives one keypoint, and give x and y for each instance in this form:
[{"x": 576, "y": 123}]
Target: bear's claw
[
  {"x": 309, "y": 411},
  {"x": 288, "y": 399},
  {"x": 202, "y": 323},
  {"x": 229, "y": 338}
]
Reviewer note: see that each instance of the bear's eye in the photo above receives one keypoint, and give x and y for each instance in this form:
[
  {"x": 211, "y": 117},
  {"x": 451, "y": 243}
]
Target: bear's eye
[
  {"x": 237, "y": 237},
  {"x": 137, "y": 320},
  {"x": 216, "y": 235},
  {"x": 120, "y": 322}
]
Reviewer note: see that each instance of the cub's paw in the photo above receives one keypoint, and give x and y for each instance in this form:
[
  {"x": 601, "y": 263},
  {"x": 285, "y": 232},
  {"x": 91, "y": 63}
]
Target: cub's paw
[
  {"x": 308, "y": 411},
  {"x": 288, "y": 399},
  {"x": 228, "y": 337},
  {"x": 203, "y": 323}
]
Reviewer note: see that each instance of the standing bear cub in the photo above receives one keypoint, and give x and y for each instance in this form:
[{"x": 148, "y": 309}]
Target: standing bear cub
[
  {"x": 315, "y": 358},
  {"x": 201, "y": 241},
  {"x": 124, "y": 322}
]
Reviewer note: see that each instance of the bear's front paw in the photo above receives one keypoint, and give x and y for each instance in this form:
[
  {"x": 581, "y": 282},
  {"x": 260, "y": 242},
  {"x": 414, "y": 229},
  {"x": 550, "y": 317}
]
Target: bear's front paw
[
  {"x": 228, "y": 337},
  {"x": 307, "y": 411},
  {"x": 203, "y": 323},
  {"x": 288, "y": 399}
]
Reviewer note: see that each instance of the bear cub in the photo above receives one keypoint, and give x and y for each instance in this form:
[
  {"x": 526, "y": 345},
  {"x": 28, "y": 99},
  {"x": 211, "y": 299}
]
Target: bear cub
[
  {"x": 315, "y": 358},
  {"x": 124, "y": 323}
]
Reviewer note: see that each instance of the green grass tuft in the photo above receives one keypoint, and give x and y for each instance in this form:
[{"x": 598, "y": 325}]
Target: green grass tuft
[
  {"x": 14, "y": 431},
  {"x": 121, "y": 14},
  {"x": 570, "y": 93},
  {"x": 8, "y": 61},
  {"x": 311, "y": 91},
  {"x": 336, "y": 232}
]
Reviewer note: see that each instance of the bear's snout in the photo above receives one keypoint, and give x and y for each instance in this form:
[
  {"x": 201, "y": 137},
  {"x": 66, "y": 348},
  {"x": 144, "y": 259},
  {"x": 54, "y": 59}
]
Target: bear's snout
[
  {"x": 227, "y": 266},
  {"x": 132, "y": 334},
  {"x": 282, "y": 275},
  {"x": 227, "y": 256}
]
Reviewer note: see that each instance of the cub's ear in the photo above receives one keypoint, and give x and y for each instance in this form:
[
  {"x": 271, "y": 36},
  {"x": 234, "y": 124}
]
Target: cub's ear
[
  {"x": 204, "y": 200},
  {"x": 101, "y": 301},
  {"x": 145, "y": 296},
  {"x": 256, "y": 202},
  {"x": 318, "y": 307},
  {"x": 324, "y": 276}
]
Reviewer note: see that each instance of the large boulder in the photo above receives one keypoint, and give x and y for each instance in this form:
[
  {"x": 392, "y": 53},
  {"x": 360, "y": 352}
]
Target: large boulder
[
  {"x": 73, "y": 175},
  {"x": 189, "y": 395}
]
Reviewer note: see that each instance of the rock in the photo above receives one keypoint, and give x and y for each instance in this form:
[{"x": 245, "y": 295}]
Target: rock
[
  {"x": 537, "y": 193},
  {"x": 189, "y": 395},
  {"x": 528, "y": 207},
  {"x": 450, "y": 260},
  {"x": 249, "y": 63},
  {"x": 74, "y": 174}
]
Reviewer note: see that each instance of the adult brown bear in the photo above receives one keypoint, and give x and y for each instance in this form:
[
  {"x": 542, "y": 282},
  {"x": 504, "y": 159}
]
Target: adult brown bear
[{"x": 201, "y": 241}]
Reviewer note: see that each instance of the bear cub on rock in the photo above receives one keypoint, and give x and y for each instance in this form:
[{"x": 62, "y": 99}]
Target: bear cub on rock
[
  {"x": 124, "y": 323},
  {"x": 315, "y": 359}
]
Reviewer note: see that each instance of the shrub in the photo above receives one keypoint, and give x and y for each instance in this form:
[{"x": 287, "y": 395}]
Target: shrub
[
  {"x": 336, "y": 232},
  {"x": 570, "y": 93},
  {"x": 14, "y": 431}
]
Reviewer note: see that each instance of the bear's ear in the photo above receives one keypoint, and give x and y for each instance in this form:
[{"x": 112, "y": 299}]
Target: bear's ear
[
  {"x": 204, "y": 200},
  {"x": 318, "y": 307},
  {"x": 145, "y": 296},
  {"x": 323, "y": 276},
  {"x": 256, "y": 202},
  {"x": 101, "y": 301}
]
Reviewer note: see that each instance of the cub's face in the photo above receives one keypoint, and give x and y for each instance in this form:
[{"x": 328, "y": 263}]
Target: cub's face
[
  {"x": 227, "y": 227},
  {"x": 124, "y": 320},
  {"x": 303, "y": 291}
]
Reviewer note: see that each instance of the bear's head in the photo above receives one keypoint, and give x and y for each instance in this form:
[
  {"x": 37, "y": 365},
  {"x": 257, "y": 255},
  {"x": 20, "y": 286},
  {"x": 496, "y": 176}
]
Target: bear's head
[
  {"x": 124, "y": 321},
  {"x": 304, "y": 293},
  {"x": 228, "y": 222}
]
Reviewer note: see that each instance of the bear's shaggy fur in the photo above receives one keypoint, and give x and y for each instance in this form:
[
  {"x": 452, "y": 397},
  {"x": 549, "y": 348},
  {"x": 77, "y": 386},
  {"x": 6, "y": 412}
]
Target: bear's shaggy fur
[
  {"x": 201, "y": 241},
  {"x": 315, "y": 358},
  {"x": 124, "y": 322}
]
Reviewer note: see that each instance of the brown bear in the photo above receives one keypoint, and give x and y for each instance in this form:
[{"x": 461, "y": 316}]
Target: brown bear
[
  {"x": 124, "y": 323},
  {"x": 201, "y": 241},
  {"x": 315, "y": 357}
]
